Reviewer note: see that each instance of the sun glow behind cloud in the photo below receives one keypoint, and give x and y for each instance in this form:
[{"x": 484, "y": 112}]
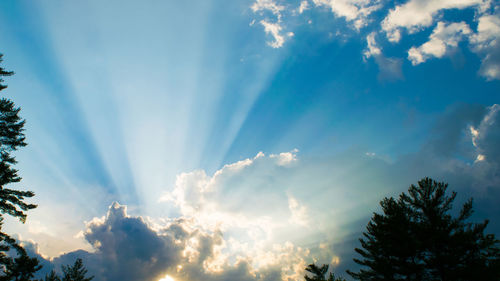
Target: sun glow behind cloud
[
  {"x": 145, "y": 111},
  {"x": 151, "y": 109},
  {"x": 164, "y": 107},
  {"x": 167, "y": 278}
]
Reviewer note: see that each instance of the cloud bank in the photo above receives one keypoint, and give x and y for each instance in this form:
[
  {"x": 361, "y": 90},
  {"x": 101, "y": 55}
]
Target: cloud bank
[
  {"x": 267, "y": 217},
  {"x": 136, "y": 248}
]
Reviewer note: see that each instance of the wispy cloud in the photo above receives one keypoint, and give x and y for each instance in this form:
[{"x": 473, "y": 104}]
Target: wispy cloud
[
  {"x": 389, "y": 68},
  {"x": 275, "y": 30}
]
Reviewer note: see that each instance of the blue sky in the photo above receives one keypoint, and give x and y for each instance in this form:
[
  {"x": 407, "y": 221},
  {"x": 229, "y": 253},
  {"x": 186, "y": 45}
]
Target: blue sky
[{"x": 268, "y": 129}]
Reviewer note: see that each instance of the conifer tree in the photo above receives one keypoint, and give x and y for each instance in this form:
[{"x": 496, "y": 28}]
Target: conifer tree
[
  {"x": 416, "y": 238},
  {"x": 52, "y": 276},
  {"x": 76, "y": 272},
  {"x": 320, "y": 273},
  {"x": 21, "y": 267},
  {"x": 11, "y": 138}
]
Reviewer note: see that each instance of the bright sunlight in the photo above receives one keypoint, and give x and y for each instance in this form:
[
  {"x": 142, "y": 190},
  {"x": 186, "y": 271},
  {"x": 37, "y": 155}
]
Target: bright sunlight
[{"x": 167, "y": 278}]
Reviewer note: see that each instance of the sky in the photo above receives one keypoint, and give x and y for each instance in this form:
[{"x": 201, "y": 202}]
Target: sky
[{"x": 243, "y": 140}]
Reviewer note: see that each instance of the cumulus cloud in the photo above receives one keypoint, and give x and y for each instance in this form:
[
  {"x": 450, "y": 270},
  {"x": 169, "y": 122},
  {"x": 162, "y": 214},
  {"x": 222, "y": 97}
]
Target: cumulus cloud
[
  {"x": 486, "y": 42},
  {"x": 444, "y": 37},
  {"x": 251, "y": 219},
  {"x": 417, "y": 14},
  {"x": 354, "y": 11},
  {"x": 126, "y": 248},
  {"x": 284, "y": 158},
  {"x": 137, "y": 248},
  {"x": 389, "y": 68},
  {"x": 228, "y": 197},
  {"x": 411, "y": 16}
]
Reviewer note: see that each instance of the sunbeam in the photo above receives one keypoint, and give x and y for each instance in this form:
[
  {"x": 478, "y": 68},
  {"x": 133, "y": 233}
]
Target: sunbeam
[{"x": 241, "y": 140}]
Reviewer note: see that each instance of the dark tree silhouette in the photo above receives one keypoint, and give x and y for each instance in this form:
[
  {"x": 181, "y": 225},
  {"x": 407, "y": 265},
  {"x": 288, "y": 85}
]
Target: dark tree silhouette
[
  {"x": 76, "y": 272},
  {"x": 11, "y": 138},
  {"x": 416, "y": 238},
  {"x": 320, "y": 273},
  {"x": 12, "y": 201},
  {"x": 21, "y": 268},
  {"x": 52, "y": 276}
]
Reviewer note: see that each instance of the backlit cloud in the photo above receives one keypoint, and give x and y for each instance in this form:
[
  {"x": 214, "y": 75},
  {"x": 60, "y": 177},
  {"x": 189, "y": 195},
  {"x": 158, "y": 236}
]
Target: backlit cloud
[
  {"x": 137, "y": 248},
  {"x": 243, "y": 221}
]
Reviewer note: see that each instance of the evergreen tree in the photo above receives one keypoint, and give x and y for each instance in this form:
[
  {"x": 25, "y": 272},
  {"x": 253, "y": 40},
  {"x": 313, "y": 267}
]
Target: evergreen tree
[
  {"x": 320, "y": 273},
  {"x": 416, "y": 238},
  {"x": 76, "y": 272},
  {"x": 11, "y": 138},
  {"x": 12, "y": 201},
  {"x": 52, "y": 276},
  {"x": 21, "y": 268}
]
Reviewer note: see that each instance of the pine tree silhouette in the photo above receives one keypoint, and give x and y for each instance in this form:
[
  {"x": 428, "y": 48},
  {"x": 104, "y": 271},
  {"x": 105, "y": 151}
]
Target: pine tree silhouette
[
  {"x": 416, "y": 238},
  {"x": 12, "y": 201},
  {"x": 76, "y": 272}
]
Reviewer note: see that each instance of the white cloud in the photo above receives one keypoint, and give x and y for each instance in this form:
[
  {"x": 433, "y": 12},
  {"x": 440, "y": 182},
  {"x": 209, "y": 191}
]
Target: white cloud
[
  {"x": 285, "y": 158},
  {"x": 274, "y": 29},
  {"x": 486, "y": 42},
  {"x": 444, "y": 37},
  {"x": 417, "y": 14},
  {"x": 355, "y": 11},
  {"x": 212, "y": 199},
  {"x": 372, "y": 47},
  {"x": 270, "y": 5},
  {"x": 304, "y": 5},
  {"x": 488, "y": 31},
  {"x": 411, "y": 16}
]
